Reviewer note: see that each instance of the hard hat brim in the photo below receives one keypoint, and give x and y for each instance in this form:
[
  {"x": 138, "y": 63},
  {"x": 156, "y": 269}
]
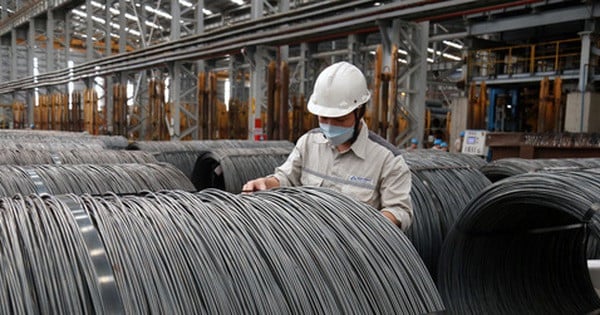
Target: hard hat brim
[{"x": 328, "y": 111}]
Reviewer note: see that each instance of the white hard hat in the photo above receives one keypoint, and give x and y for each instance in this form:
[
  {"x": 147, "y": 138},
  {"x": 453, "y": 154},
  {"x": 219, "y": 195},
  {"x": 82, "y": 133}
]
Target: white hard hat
[{"x": 339, "y": 89}]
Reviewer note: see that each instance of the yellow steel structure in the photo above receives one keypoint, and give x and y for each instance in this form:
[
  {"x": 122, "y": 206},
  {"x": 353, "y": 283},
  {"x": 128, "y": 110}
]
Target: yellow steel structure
[
  {"x": 90, "y": 111},
  {"x": 120, "y": 109}
]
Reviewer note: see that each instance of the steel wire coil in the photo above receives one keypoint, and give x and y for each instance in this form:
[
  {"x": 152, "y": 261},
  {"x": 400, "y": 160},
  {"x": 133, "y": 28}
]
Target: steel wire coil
[
  {"x": 229, "y": 169},
  {"x": 184, "y": 154},
  {"x": 36, "y": 133},
  {"x": 442, "y": 185},
  {"x": 434, "y": 157},
  {"x": 77, "y": 156},
  {"x": 520, "y": 247},
  {"x": 288, "y": 251},
  {"x": 50, "y": 145},
  {"x": 185, "y": 161},
  {"x": 500, "y": 169},
  {"x": 204, "y": 145},
  {"x": 51, "y": 136},
  {"x": 112, "y": 142},
  {"x": 91, "y": 178}
]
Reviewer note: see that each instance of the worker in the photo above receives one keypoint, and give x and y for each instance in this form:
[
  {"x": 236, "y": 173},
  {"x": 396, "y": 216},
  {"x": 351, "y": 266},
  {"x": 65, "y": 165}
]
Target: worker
[
  {"x": 414, "y": 144},
  {"x": 459, "y": 141},
  {"x": 436, "y": 144},
  {"x": 342, "y": 154}
]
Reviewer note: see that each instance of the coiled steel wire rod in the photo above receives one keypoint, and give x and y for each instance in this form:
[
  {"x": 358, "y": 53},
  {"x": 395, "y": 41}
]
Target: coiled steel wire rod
[
  {"x": 442, "y": 185},
  {"x": 52, "y": 136},
  {"x": 91, "y": 178},
  {"x": 503, "y": 168},
  {"x": 520, "y": 247},
  {"x": 230, "y": 169},
  {"x": 184, "y": 154},
  {"x": 204, "y": 145},
  {"x": 286, "y": 251},
  {"x": 77, "y": 156},
  {"x": 48, "y": 145}
]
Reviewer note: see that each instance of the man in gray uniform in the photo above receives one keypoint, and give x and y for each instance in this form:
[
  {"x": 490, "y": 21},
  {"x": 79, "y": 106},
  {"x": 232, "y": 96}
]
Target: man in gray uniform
[{"x": 343, "y": 154}]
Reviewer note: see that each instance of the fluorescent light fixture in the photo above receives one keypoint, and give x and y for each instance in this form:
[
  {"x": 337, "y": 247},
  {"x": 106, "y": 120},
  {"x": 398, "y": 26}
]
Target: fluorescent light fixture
[
  {"x": 77, "y": 12},
  {"x": 449, "y": 56},
  {"x": 158, "y": 12},
  {"x": 445, "y": 55},
  {"x": 402, "y": 51},
  {"x": 238, "y": 2},
  {"x": 452, "y": 44},
  {"x": 402, "y": 60},
  {"x": 102, "y": 21},
  {"x": 7, "y": 10}
]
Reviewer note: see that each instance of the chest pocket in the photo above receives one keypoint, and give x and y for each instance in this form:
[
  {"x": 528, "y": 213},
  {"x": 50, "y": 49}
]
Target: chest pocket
[
  {"x": 364, "y": 194},
  {"x": 308, "y": 179}
]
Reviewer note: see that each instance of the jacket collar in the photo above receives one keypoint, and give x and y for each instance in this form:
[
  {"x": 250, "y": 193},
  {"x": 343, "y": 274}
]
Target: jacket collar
[{"x": 359, "y": 147}]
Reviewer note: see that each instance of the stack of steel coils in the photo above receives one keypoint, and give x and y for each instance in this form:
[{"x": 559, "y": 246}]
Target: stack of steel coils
[
  {"x": 91, "y": 178},
  {"x": 230, "y": 169},
  {"x": 520, "y": 247},
  {"x": 77, "y": 156},
  {"x": 441, "y": 186},
  {"x": 292, "y": 251},
  {"x": 503, "y": 168}
]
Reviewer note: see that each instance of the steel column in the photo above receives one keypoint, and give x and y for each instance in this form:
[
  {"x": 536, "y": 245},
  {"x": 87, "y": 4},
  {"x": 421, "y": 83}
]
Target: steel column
[
  {"x": 50, "y": 66},
  {"x": 30, "y": 95},
  {"x": 584, "y": 61},
  {"x": 89, "y": 43},
  {"x": 123, "y": 34},
  {"x": 258, "y": 88},
  {"x": 174, "y": 92}
]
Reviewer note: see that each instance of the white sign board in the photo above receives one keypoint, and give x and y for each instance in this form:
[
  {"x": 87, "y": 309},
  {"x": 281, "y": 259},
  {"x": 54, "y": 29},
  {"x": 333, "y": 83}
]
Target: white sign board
[{"x": 474, "y": 142}]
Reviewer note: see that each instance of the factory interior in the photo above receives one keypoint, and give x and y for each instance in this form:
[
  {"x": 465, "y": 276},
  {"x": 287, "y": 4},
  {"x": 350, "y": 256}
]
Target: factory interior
[{"x": 130, "y": 129}]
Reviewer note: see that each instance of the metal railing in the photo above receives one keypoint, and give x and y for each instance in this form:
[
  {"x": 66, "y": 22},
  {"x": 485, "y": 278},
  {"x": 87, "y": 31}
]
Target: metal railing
[{"x": 555, "y": 57}]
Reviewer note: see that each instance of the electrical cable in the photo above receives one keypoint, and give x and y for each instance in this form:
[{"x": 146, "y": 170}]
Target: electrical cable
[{"x": 521, "y": 245}]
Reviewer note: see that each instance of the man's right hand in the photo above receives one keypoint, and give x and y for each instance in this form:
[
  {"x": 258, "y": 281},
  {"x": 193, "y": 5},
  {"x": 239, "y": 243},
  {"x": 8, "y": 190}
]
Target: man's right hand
[{"x": 262, "y": 183}]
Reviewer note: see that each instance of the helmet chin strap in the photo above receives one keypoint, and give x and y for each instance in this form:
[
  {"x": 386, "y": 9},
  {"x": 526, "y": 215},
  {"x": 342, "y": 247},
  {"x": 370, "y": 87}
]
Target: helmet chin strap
[{"x": 358, "y": 115}]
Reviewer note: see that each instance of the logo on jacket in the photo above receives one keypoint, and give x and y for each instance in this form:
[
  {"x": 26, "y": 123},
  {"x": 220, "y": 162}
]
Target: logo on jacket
[{"x": 358, "y": 179}]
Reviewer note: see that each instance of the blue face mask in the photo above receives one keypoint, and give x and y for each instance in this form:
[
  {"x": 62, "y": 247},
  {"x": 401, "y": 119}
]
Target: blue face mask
[{"x": 336, "y": 134}]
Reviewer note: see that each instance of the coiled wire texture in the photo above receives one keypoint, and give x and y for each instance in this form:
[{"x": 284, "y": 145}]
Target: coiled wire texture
[
  {"x": 520, "y": 247},
  {"x": 289, "y": 251}
]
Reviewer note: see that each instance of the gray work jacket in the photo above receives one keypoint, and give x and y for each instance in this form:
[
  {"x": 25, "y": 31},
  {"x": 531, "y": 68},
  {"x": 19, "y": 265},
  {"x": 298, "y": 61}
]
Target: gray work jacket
[{"x": 371, "y": 171}]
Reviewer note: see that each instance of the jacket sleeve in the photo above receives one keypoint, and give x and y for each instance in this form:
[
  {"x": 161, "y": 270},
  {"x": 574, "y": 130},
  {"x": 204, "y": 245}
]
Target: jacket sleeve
[
  {"x": 290, "y": 172},
  {"x": 395, "y": 191}
]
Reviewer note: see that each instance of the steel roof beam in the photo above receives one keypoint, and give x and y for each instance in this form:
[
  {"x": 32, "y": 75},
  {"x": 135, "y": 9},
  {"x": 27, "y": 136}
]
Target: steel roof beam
[
  {"x": 325, "y": 22},
  {"x": 557, "y": 16}
]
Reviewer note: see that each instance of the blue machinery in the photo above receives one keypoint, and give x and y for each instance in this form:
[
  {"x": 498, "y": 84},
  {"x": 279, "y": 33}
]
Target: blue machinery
[{"x": 502, "y": 112}]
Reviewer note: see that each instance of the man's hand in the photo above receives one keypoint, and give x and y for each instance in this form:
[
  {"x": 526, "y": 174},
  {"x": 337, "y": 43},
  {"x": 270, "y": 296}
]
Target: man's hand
[
  {"x": 262, "y": 183},
  {"x": 392, "y": 218}
]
